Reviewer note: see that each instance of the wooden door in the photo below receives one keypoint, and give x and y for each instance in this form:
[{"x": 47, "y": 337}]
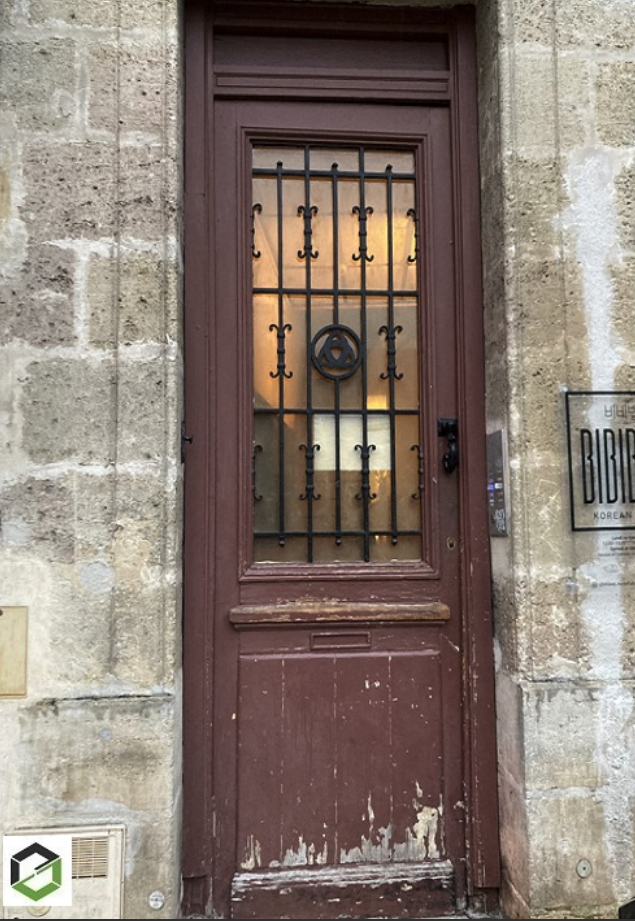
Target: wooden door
[{"x": 335, "y": 728}]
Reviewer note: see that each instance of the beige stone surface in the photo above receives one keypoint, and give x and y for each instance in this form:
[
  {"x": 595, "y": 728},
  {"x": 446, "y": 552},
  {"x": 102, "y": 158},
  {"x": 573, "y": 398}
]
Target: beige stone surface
[
  {"x": 625, "y": 187},
  {"x": 151, "y": 15},
  {"x": 108, "y": 761},
  {"x": 575, "y": 113},
  {"x": 70, "y": 190},
  {"x": 130, "y": 297},
  {"x": 561, "y": 725},
  {"x": 535, "y": 199},
  {"x": 37, "y": 304},
  {"x": 39, "y": 83},
  {"x": 532, "y": 20},
  {"x": 101, "y": 15},
  {"x": 595, "y": 25},
  {"x": 148, "y": 191},
  {"x": 535, "y": 103},
  {"x": 131, "y": 88},
  {"x": 39, "y": 514},
  {"x": 68, "y": 409},
  {"x": 89, "y": 415},
  {"x": 615, "y": 103},
  {"x": 564, "y": 828}
]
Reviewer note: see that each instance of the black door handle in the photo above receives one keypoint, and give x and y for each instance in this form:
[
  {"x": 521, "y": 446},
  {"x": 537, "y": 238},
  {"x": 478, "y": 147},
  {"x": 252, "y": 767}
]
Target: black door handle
[{"x": 449, "y": 428}]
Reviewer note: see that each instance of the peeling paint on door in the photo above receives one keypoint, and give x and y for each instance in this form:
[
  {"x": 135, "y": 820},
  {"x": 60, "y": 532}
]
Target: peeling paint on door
[
  {"x": 422, "y": 841},
  {"x": 252, "y": 858},
  {"x": 304, "y": 856}
]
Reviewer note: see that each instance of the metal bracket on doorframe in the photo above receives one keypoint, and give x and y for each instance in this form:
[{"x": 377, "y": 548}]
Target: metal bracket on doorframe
[{"x": 184, "y": 438}]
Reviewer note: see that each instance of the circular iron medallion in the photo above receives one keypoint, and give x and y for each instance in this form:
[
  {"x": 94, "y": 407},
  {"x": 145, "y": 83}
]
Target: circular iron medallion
[{"x": 336, "y": 351}]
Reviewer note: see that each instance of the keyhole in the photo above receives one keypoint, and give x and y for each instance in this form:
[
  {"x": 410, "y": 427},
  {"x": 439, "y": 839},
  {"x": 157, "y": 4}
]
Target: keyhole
[{"x": 451, "y": 543}]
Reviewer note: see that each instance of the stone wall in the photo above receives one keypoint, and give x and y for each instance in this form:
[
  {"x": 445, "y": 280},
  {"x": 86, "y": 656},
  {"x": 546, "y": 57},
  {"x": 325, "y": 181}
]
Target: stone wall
[
  {"x": 558, "y": 136},
  {"x": 90, "y": 390}
]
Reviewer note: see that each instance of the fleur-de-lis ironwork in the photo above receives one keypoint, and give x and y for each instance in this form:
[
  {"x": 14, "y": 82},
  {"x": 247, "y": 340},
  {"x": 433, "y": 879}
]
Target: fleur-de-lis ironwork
[
  {"x": 281, "y": 332},
  {"x": 417, "y": 495},
  {"x": 255, "y": 209},
  {"x": 413, "y": 214},
  {"x": 362, "y": 217},
  {"x": 310, "y": 493},
  {"x": 308, "y": 214},
  {"x": 392, "y": 352},
  {"x": 365, "y": 453}
]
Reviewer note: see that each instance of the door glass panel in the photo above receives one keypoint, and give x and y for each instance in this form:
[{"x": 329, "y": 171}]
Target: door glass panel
[{"x": 337, "y": 454}]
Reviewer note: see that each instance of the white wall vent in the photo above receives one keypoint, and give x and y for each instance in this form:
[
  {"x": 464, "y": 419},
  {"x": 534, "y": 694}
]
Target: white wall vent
[{"x": 97, "y": 871}]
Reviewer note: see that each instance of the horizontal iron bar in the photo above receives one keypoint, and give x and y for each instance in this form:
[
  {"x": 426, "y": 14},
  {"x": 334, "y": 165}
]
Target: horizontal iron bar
[
  {"x": 340, "y": 292},
  {"x": 287, "y": 534},
  {"x": 328, "y": 174},
  {"x": 288, "y": 411}
]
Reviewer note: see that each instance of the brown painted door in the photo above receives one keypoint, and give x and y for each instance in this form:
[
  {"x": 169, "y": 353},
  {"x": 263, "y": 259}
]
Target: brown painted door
[
  {"x": 338, "y": 662},
  {"x": 335, "y": 747}
]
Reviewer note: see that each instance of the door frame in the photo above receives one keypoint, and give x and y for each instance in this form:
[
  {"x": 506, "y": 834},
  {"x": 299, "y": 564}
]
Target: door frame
[{"x": 457, "y": 90}]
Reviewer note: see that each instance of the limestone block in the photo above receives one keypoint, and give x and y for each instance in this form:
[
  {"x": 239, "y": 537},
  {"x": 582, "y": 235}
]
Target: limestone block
[
  {"x": 595, "y": 24},
  {"x": 90, "y": 761},
  {"x": 71, "y": 634},
  {"x": 70, "y": 190},
  {"x": 513, "y": 825},
  {"x": 100, "y": 749},
  {"x": 628, "y": 641},
  {"x": 541, "y": 413},
  {"x": 68, "y": 411},
  {"x": 615, "y": 103},
  {"x": 7, "y": 13},
  {"x": 575, "y": 109},
  {"x": 150, "y": 15},
  {"x": 546, "y": 515},
  {"x": 625, "y": 188},
  {"x": 565, "y": 827},
  {"x": 145, "y": 639},
  {"x": 36, "y": 304},
  {"x": 40, "y": 82},
  {"x": 38, "y": 515},
  {"x": 130, "y": 298},
  {"x": 534, "y": 191},
  {"x": 532, "y": 21},
  {"x": 89, "y": 637},
  {"x": 130, "y": 87},
  {"x": 75, "y": 12},
  {"x": 148, "y": 192},
  {"x": 559, "y": 646},
  {"x": 533, "y": 100},
  {"x": 560, "y": 722},
  {"x": 623, "y": 283},
  {"x": 155, "y": 869},
  {"x": 541, "y": 306},
  {"x": 142, "y": 411}
]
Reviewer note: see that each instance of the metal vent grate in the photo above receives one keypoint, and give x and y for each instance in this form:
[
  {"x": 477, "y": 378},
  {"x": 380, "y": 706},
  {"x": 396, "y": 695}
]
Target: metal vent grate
[{"x": 90, "y": 857}]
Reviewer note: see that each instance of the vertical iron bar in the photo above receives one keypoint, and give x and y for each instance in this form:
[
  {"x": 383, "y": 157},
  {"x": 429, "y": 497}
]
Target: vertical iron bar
[
  {"x": 309, "y": 380},
  {"x": 336, "y": 319},
  {"x": 391, "y": 370},
  {"x": 281, "y": 378},
  {"x": 364, "y": 345}
]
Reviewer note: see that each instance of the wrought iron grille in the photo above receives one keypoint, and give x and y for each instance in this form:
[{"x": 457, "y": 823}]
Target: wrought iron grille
[{"x": 337, "y": 464}]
